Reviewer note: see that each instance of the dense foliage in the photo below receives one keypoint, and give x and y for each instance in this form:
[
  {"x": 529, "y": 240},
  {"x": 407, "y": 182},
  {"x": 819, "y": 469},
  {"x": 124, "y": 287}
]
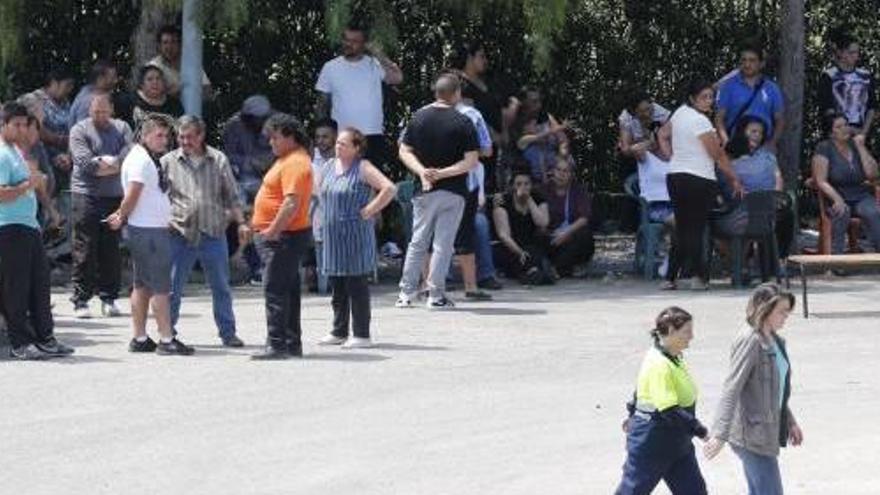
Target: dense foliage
[{"x": 585, "y": 54}]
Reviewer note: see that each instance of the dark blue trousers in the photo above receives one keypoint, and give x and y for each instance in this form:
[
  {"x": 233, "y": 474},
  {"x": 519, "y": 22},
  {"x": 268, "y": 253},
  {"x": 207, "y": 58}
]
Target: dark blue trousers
[{"x": 658, "y": 451}]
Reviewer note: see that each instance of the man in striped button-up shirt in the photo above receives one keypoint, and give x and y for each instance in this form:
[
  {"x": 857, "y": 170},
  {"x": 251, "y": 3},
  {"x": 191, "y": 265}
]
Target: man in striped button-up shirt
[{"x": 204, "y": 197}]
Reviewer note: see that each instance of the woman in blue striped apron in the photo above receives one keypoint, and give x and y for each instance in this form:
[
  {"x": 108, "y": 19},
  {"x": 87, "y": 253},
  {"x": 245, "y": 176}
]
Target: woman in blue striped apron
[{"x": 353, "y": 192}]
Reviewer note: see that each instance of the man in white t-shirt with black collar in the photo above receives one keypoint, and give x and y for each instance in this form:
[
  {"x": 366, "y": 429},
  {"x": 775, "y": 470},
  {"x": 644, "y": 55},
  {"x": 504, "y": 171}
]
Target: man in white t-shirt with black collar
[{"x": 350, "y": 87}]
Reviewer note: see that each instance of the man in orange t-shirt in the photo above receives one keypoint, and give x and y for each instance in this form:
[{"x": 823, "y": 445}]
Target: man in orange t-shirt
[{"x": 281, "y": 220}]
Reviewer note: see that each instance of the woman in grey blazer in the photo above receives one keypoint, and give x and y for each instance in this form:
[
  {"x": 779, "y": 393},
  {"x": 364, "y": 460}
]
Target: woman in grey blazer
[{"x": 753, "y": 414}]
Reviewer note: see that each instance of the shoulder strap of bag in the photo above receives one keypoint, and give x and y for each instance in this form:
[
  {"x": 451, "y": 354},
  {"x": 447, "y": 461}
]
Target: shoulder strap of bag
[{"x": 742, "y": 111}]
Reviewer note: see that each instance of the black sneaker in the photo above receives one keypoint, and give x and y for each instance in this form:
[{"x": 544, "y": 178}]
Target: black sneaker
[
  {"x": 233, "y": 341},
  {"x": 295, "y": 350},
  {"x": 175, "y": 347},
  {"x": 28, "y": 352},
  {"x": 148, "y": 345},
  {"x": 272, "y": 354},
  {"x": 440, "y": 303},
  {"x": 477, "y": 295},
  {"x": 490, "y": 283},
  {"x": 53, "y": 348}
]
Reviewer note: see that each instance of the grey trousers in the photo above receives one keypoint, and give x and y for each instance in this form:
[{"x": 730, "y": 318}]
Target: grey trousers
[
  {"x": 865, "y": 209},
  {"x": 436, "y": 216}
]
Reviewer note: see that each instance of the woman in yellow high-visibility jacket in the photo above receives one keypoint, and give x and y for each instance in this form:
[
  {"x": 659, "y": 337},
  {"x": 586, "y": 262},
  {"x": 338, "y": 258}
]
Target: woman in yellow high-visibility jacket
[{"x": 662, "y": 421}]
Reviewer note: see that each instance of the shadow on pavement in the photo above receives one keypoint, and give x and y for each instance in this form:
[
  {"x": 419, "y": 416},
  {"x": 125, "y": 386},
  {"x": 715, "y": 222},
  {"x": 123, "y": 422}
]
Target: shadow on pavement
[
  {"x": 388, "y": 346},
  {"x": 843, "y": 315},
  {"x": 83, "y": 324},
  {"x": 346, "y": 356},
  {"x": 504, "y": 311}
]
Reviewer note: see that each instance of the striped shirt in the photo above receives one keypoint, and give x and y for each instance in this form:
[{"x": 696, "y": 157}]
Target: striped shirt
[{"x": 202, "y": 191}]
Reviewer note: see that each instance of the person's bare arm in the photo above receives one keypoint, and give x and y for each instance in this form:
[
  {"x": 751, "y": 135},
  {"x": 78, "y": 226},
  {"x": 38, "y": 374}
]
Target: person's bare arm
[
  {"x": 132, "y": 194},
  {"x": 502, "y": 228},
  {"x": 377, "y": 180},
  {"x": 820, "y": 177},
  {"x": 869, "y": 121},
  {"x": 470, "y": 161},
  {"x": 869, "y": 163},
  {"x": 9, "y": 194},
  {"x": 720, "y": 114},
  {"x": 540, "y": 214},
  {"x": 393, "y": 74},
  {"x": 780, "y": 182},
  {"x": 716, "y": 152},
  {"x": 288, "y": 210},
  {"x": 664, "y": 142},
  {"x": 410, "y": 160}
]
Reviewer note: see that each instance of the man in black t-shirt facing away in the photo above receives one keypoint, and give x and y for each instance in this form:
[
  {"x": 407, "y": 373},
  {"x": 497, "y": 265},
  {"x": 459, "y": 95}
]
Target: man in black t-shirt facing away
[{"x": 440, "y": 147}]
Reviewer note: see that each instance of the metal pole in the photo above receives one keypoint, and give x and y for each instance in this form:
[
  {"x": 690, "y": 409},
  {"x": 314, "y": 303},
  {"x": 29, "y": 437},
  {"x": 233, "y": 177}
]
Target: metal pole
[{"x": 191, "y": 58}]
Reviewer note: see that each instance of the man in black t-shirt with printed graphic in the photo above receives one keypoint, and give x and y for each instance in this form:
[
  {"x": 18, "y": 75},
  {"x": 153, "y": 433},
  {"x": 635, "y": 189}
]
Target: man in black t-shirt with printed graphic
[
  {"x": 847, "y": 88},
  {"x": 440, "y": 147}
]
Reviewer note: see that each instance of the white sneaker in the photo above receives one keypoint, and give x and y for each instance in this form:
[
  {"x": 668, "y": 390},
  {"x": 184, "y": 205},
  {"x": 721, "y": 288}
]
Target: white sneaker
[
  {"x": 82, "y": 312},
  {"x": 331, "y": 339},
  {"x": 404, "y": 300},
  {"x": 110, "y": 310},
  {"x": 357, "y": 343}
]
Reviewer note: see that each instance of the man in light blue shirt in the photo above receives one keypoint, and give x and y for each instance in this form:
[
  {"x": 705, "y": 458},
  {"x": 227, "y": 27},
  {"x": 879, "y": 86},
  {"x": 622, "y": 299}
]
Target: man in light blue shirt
[{"x": 24, "y": 269}]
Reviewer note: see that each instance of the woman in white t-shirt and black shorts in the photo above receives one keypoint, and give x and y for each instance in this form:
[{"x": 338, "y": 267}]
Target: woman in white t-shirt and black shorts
[{"x": 692, "y": 183}]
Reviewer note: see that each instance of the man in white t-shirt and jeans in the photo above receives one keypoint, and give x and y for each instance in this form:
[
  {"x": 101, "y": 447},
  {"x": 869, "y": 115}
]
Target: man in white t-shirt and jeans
[
  {"x": 146, "y": 210},
  {"x": 350, "y": 88}
]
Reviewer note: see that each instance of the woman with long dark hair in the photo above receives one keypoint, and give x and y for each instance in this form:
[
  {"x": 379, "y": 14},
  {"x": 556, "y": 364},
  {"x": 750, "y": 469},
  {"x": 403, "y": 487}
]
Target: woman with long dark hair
[{"x": 692, "y": 183}]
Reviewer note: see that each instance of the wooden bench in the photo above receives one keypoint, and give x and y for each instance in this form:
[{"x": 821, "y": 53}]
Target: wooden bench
[{"x": 803, "y": 261}]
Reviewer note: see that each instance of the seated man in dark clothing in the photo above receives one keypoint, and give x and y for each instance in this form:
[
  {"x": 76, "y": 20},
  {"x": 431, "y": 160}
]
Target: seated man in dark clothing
[
  {"x": 521, "y": 220},
  {"x": 571, "y": 240}
]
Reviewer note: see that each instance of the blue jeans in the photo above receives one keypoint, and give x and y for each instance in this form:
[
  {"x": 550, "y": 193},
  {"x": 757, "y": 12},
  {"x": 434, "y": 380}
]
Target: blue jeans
[
  {"x": 762, "y": 472},
  {"x": 211, "y": 252},
  {"x": 485, "y": 264}
]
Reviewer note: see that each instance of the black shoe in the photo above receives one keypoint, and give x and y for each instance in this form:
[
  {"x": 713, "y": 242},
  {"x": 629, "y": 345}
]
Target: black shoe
[
  {"x": 53, "y": 348},
  {"x": 295, "y": 350},
  {"x": 233, "y": 341},
  {"x": 27, "y": 353},
  {"x": 271, "y": 354},
  {"x": 490, "y": 283},
  {"x": 148, "y": 345},
  {"x": 175, "y": 347},
  {"x": 477, "y": 295}
]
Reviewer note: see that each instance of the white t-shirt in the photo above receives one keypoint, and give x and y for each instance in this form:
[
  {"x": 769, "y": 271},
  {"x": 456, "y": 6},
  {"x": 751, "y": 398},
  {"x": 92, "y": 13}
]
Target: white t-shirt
[
  {"x": 652, "y": 178},
  {"x": 688, "y": 153},
  {"x": 355, "y": 90},
  {"x": 153, "y": 209}
]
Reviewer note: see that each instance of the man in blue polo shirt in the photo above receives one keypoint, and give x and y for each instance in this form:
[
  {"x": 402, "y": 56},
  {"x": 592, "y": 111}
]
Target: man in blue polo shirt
[
  {"x": 749, "y": 93},
  {"x": 24, "y": 269}
]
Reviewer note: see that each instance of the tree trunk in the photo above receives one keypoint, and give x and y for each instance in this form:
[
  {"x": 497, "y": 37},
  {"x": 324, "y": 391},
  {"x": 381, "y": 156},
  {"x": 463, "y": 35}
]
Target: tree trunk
[
  {"x": 791, "y": 79},
  {"x": 143, "y": 41}
]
